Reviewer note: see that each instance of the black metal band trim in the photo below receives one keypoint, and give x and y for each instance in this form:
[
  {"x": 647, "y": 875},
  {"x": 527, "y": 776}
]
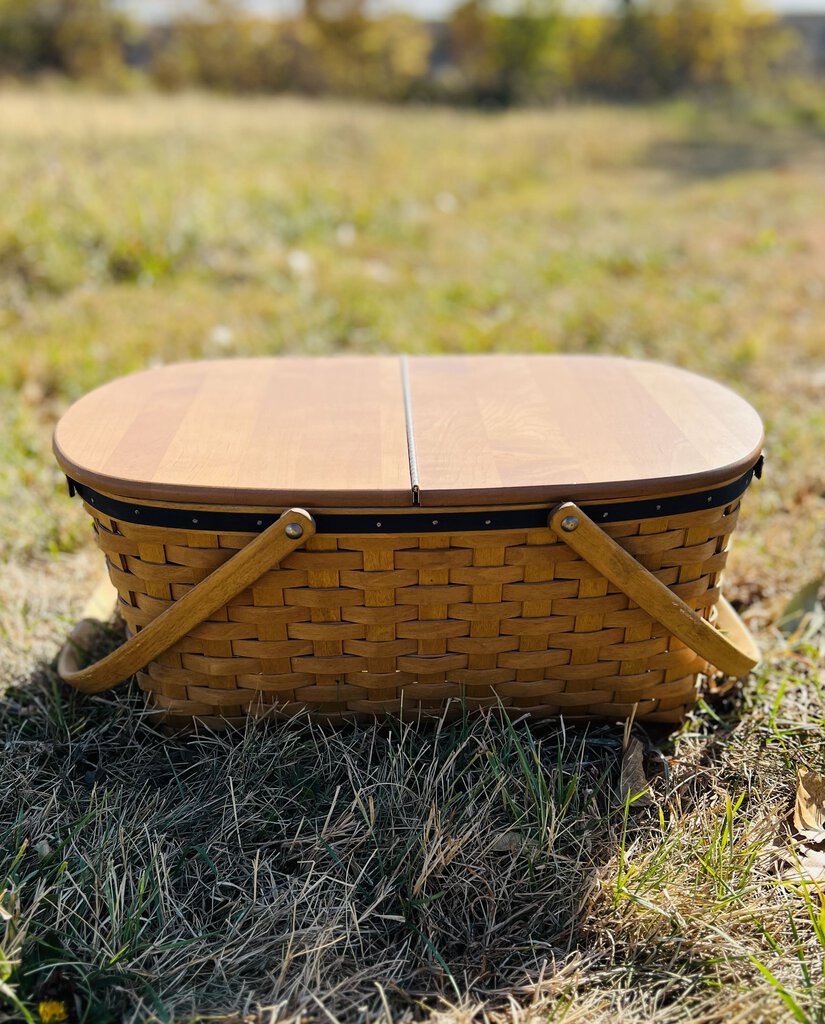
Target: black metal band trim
[{"x": 415, "y": 522}]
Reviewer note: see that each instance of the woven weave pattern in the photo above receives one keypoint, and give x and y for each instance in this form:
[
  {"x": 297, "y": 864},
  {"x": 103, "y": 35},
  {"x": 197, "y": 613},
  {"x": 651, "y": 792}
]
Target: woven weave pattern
[{"x": 365, "y": 625}]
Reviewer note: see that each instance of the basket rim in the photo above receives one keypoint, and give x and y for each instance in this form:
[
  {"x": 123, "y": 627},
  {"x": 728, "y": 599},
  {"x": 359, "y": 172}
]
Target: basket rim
[{"x": 406, "y": 520}]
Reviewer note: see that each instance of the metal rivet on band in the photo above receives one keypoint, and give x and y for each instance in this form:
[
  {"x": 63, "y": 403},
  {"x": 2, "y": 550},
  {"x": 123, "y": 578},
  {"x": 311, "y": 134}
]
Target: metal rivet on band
[
  {"x": 294, "y": 530},
  {"x": 435, "y": 522},
  {"x": 487, "y": 522},
  {"x": 194, "y": 520},
  {"x": 569, "y": 524},
  {"x": 137, "y": 511},
  {"x": 260, "y": 522},
  {"x": 377, "y": 524}
]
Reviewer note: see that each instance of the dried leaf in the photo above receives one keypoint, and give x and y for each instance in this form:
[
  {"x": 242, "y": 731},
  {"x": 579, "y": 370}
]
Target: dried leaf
[
  {"x": 802, "y": 605},
  {"x": 806, "y": 861},
  {"x": 812, "y": 858},
  {"x": 809, "y": 810},
  {"x": 633, "y": 782},
  {"x": 804, "y": 874},
  {"x": 805, "y": 852},
  {"x": 813, "y": 837}
]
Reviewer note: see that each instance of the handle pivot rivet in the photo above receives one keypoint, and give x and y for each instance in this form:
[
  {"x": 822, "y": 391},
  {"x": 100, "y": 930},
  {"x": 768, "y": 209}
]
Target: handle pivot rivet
[
  {"x": 569, "y": 524},
  {"x": 294, "y": 531}
]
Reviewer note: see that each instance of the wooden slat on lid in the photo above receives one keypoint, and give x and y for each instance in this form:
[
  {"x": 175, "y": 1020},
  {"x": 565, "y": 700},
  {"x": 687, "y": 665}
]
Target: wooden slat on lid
[
  {"x": 509, "y": 429},
  {"x": 245, "y": 432}
]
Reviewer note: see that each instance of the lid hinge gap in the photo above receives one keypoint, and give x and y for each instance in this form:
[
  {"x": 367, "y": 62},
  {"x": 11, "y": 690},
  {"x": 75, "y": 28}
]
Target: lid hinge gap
[{"x": 408, "y": 422}]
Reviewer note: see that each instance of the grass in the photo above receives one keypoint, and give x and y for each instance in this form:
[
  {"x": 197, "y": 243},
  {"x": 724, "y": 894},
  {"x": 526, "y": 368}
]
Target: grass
[{"x": 474, "y": 870}]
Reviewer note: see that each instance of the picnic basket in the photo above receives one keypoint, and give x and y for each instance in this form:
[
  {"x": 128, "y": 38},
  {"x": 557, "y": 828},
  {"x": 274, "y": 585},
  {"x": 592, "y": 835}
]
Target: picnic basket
[{"x": 352, "y": 537}]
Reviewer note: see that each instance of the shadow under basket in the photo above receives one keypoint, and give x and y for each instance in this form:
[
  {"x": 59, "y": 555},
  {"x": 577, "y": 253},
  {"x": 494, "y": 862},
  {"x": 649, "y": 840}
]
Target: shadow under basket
[
  {"x": 609, "y": 620},
  {"x": 543, "y": 533}
]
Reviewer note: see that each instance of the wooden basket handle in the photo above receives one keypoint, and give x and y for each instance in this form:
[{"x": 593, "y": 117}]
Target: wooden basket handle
[
  {"x": 289, "y": 532},
  {"x": 735, "y": 655}
]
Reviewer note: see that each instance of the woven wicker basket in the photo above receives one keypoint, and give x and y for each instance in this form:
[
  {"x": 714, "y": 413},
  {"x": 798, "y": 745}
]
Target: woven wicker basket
[{"x": 604, "y": 608}]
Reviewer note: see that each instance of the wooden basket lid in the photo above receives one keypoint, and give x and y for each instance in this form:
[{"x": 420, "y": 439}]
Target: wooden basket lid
[
  {"x": 284, "y": 431},
  {"x": 534, "y": 428},
  {"x": 378, "y": 432}
]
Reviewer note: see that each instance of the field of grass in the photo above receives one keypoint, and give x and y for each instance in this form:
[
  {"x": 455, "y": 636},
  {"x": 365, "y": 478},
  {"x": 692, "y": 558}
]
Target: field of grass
[{"x": 478, "y": 870}]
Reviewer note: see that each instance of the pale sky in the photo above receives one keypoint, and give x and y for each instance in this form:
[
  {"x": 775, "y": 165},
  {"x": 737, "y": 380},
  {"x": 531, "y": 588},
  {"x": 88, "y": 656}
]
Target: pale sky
[{"x": 155, "y": 10}]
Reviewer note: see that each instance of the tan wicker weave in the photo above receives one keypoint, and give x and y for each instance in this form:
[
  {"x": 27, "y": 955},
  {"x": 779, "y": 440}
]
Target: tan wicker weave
[{"x": 354, "y": 626}]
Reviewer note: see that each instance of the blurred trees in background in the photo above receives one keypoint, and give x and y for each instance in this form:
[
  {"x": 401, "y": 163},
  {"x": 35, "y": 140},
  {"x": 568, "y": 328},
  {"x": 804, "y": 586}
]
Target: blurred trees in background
[
  {"x": 484, "y": 52},
  {"x": 659, "y": 47},
  {"x": 333, "y": 47},
  {"x": 79, "y": 38},
  {"x": 504, "y": 57}
]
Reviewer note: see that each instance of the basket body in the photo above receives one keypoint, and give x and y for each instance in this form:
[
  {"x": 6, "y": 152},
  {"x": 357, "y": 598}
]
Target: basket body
[{"x": 358, "y": 625}]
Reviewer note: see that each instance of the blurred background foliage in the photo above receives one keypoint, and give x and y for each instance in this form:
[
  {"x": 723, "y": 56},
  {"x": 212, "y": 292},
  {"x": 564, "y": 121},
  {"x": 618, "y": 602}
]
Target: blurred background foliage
[{"x": 481, "y": 53}]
